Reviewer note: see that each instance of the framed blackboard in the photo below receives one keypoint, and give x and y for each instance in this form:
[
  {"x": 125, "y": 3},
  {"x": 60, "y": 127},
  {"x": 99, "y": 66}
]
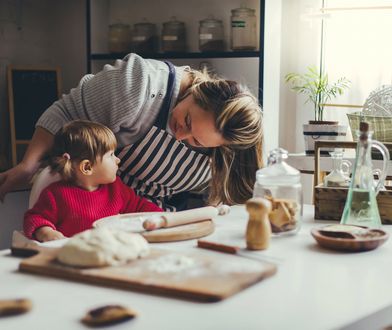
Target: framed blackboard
[{"x": 31, "y": 90}]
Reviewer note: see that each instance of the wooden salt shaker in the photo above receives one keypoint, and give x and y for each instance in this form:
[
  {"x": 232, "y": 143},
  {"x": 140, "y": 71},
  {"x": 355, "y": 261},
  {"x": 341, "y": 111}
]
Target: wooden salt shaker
[{"x": 258, "y": 231}]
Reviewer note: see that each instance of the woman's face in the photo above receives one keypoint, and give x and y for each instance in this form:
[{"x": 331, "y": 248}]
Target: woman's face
[{"x": 192, "y": 124}]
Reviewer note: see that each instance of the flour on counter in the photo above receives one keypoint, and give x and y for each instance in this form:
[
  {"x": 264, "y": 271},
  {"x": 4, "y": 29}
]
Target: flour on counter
[{"x": 171, "y": 263}]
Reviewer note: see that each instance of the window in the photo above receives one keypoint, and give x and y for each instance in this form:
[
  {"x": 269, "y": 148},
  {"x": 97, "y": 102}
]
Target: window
[{"x": 358, "y": 45}]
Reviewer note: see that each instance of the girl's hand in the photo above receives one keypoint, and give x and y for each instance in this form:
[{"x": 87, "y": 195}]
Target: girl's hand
[{"x": 46, "y": 233}]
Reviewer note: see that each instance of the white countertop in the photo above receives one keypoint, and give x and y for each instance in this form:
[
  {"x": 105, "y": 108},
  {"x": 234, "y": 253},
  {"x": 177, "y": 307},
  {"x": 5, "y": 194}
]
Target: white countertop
[{"x": 313, "y": 289}]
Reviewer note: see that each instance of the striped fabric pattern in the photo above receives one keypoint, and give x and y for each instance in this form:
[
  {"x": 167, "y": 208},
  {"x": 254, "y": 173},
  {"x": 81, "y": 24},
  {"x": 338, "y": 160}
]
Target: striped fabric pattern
[
  {"x": 159, "y": 166},
  {"x": 126, "y": 96}
]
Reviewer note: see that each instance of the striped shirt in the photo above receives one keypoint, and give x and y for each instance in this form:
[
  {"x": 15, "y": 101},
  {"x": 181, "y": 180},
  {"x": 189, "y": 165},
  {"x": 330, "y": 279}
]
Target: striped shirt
[{"x": 126, "y": 97}]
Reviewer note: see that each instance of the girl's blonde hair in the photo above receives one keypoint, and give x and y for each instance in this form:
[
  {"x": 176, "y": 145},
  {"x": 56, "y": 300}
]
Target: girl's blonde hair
[
  {"x": 79, "y": 140},
  {"x": 238, "y": 117}
]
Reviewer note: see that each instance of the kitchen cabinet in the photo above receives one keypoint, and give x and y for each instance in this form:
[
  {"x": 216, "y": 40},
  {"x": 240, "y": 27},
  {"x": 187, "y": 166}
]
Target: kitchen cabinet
[{"x": 237, "y": 65}]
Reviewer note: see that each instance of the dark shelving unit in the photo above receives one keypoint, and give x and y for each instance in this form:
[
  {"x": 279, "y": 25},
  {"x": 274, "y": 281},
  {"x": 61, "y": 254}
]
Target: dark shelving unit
[
  {"x": 177, "y": 55},
  {"x": 185, "y": 55}
]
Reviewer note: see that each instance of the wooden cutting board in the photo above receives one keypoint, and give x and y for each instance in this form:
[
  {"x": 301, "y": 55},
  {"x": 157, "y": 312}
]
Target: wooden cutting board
[{"x": 200, "y": 275}]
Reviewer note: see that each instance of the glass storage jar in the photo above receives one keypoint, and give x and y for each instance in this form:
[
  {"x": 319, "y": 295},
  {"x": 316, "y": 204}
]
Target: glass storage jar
[
  {"x": 119, "y": 38},
  {"x": 173, "y": 36},
  {"x": 243, "y": 29},
  {"x": 281, "y": 184},
  {"x": 144, "y": 37},
  {"x": 211, "y": 35}
]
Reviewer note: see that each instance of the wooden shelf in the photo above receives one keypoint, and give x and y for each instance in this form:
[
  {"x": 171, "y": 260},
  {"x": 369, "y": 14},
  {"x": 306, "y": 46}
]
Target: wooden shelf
[{"x": 176, "y": 55}]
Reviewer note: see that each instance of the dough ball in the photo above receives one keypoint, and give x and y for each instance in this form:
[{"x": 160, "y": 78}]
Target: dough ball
[{"x": 103, "y": 247}]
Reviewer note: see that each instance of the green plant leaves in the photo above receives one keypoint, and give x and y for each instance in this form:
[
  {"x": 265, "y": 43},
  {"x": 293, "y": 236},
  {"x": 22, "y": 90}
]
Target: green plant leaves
[{"x": 315, "y": 86}]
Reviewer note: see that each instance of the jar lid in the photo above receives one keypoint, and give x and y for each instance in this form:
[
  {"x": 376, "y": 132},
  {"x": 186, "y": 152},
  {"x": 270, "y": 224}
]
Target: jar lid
[
  {"x": 211, "y": 22},
  {"x": 173, "y": 21},
  {"x": 145, "y": 25},
  {"x": 278, "y": 172},
  {"x": 243, "y": 10}
]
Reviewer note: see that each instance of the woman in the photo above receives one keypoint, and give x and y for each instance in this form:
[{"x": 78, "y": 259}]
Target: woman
[{"x": 177, "y": 130}]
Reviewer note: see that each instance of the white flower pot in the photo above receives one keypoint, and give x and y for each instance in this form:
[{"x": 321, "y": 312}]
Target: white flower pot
[{"x": 327, "y": 131}]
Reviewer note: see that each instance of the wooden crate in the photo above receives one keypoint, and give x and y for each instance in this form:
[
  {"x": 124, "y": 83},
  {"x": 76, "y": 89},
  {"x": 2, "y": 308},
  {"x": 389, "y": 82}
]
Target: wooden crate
[{"x": 329, "y": 201}]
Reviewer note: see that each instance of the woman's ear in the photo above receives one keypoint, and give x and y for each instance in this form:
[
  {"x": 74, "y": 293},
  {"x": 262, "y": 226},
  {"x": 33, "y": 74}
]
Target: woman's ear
[{"x": 86, "y": 167}]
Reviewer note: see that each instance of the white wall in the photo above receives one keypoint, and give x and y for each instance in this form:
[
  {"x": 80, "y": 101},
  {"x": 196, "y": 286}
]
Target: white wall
[
  {"x": 42, "y": 33},
  {"x": 272, "y": 73},
  {"x": 300, "y": 40}
]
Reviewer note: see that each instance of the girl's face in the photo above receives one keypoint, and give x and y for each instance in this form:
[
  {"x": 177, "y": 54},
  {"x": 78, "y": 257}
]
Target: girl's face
[
  {"x": 191, "y": 123},
  {"x": 104, "y": 171}
]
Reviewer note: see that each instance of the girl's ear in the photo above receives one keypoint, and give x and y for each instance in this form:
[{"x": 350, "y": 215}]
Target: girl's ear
[{"x": 86, "y": 167}]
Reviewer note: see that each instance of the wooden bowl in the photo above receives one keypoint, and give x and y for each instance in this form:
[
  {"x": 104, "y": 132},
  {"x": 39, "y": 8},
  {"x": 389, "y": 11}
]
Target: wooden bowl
[{"x": 345, "y": 241}]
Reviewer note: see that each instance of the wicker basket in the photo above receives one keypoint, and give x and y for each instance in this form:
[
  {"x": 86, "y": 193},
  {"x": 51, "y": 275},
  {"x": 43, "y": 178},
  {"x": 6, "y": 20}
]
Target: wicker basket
[
  {"x": 380, "y": 125},
  {"x": 377, "y": 111}
]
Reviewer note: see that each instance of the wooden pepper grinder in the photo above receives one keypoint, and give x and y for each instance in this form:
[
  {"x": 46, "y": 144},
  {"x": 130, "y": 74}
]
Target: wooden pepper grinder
[{"x": 258, "y": 231}]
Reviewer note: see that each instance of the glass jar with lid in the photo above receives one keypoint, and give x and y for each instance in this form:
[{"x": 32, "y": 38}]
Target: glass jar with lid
[
  {"x": 243, "y": 29},
  {"x": 174, "y": 36},
  {"x": 144, "y": 37},
  {"x": 281, "y": 184},
  {"x": 119, "y": 38},
  {"x": 211, "y": 35}
]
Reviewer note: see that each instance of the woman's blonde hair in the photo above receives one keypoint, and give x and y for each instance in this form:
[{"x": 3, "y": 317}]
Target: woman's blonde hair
[
  {"x": 79, "y": 140},
  {"x": 238, "y": 117}
]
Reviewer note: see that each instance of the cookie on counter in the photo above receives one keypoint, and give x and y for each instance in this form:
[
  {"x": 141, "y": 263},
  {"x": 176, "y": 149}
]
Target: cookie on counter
[
  {"x": 108, "y": 315},
  {"x": 14, "y": 306}
]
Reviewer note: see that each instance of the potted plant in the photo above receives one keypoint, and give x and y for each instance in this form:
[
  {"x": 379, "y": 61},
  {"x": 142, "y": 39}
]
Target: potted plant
[{"x": 314, "y": 84}]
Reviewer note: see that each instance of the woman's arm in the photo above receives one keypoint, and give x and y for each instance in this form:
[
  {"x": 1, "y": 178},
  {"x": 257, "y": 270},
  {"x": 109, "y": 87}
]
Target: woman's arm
[
  {"x": 20, "y": 175},
  {"x": 123, "y": 96}
]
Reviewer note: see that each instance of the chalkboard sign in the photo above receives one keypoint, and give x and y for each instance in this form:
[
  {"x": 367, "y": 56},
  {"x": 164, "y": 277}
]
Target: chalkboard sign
[{"x": 30, "y": 92}]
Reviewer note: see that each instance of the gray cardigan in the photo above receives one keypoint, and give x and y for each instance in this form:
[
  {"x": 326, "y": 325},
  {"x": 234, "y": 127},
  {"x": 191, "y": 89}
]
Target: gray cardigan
[{"x": 125, "y": 96}]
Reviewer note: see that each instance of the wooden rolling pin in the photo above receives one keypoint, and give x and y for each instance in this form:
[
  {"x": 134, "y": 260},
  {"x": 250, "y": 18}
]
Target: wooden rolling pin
[{"x": 184, "y": 217}]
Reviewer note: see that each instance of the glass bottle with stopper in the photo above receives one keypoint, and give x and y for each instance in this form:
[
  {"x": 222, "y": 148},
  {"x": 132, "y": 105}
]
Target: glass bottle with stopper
[
  {"x": 339, "y": 176},
  {"x": 361, "y": 205}
]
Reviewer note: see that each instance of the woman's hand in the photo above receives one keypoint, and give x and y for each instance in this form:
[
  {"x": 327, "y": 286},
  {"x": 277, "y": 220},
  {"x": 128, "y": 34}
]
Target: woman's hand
[
  {"x": 15, "y": 178},
  {"x": 47, "y": 233},
  {"x": 20, "y": 175}
]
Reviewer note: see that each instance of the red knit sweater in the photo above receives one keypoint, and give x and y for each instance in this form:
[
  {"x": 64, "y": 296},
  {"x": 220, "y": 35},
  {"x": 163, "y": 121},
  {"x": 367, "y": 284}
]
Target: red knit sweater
[{"x": 70, "y": 209}]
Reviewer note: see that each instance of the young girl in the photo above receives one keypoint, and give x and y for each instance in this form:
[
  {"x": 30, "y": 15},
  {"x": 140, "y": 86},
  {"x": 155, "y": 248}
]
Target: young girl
[{"x": 83, "y": 154}]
